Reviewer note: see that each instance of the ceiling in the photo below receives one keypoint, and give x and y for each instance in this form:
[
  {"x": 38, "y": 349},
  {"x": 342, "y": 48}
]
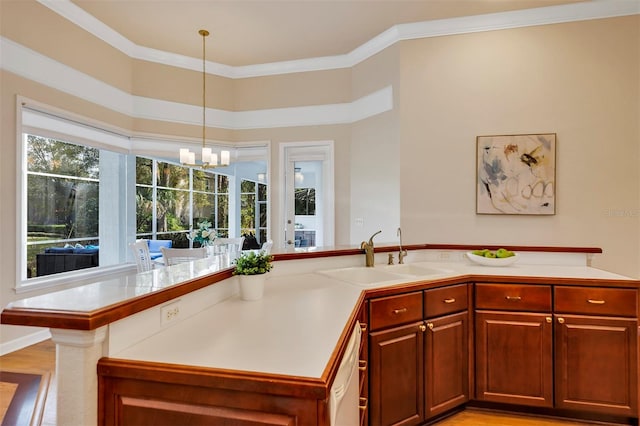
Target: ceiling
[{"x": 251, "y": 32}]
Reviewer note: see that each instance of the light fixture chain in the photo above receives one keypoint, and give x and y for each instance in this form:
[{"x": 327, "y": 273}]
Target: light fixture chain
[{"x": 204, "y": 86}]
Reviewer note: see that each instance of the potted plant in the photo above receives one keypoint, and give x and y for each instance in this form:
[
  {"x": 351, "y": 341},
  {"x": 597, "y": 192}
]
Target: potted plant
[{"x": 252, "y": 267}]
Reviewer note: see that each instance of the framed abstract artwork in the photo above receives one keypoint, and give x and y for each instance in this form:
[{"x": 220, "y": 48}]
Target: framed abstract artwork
[{"x": 516, "y": 174}]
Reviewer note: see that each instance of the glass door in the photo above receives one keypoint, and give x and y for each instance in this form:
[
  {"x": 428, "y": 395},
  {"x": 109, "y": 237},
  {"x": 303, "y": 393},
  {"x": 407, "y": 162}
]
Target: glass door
[{"x": 308, "y": 197}]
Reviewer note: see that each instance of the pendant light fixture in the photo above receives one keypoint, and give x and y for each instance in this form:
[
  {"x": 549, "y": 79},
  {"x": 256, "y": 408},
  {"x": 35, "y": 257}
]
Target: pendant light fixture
[{"x": 209, "y": 159}]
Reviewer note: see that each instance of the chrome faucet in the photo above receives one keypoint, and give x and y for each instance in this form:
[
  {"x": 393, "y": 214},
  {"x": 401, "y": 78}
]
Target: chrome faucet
[
  {"x": 402, "y": 253},
  {"x": 368, "y": 250}
]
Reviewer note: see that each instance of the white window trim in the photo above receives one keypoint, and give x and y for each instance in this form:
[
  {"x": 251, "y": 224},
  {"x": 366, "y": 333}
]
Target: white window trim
[{"x": 35, "y": 118}]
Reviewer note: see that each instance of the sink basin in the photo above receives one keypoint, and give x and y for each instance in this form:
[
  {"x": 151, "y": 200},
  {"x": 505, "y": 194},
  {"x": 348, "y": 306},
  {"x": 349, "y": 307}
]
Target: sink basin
[
  {"x": 362, "y": 275},
  {"x": 389, "y": 274},
  {"x": 414, "y": 270}
]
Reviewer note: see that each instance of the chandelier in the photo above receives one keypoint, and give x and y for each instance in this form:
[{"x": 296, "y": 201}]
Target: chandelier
[{"x": 209, "y": 158}]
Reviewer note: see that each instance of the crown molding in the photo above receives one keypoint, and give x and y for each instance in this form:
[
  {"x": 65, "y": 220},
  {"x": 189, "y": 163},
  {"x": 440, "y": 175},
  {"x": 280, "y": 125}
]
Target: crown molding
[
  {"x": 27, "y": 63},
  {"x": 595, "y": 9}
]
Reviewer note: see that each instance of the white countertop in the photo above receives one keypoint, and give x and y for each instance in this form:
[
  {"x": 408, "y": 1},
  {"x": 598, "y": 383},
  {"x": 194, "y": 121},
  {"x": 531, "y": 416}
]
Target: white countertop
[
  {"x": 91, "y": 297},
  {"x": 292, "y": 331},
  {"x": 295, "y": 328}
]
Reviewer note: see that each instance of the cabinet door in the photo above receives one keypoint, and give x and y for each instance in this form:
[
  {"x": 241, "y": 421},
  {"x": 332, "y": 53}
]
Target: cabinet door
[
  {"x": 446, "y": 363},
  {"x": 396, "y": 374},
  {"x": 596, "y": 364},
  {"x": 514, "y": 358}
]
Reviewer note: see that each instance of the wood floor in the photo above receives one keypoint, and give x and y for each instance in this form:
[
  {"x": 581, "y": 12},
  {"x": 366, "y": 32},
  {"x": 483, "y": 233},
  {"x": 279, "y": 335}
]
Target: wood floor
[
  {"x": 476, "y": 417},
  {"x": 42, "y": 357},
  {"x": 37, "y": 358}
]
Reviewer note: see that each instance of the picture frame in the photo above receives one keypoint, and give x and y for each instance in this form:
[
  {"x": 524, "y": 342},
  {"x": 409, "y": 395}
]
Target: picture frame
[{"x": 516, "y": 174}]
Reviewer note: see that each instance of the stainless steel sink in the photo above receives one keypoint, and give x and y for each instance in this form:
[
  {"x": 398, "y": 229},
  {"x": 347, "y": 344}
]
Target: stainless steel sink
[{"x": 383, "y": 275}]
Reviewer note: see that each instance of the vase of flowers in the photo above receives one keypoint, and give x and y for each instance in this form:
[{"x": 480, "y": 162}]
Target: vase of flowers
[
  {"x": 252, "y": 268},
  {"x": 203, "y": 235}
]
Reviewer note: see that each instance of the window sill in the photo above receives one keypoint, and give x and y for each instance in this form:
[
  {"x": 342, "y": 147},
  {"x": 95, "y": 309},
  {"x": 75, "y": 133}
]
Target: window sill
[{"x": 74, "y": 278}]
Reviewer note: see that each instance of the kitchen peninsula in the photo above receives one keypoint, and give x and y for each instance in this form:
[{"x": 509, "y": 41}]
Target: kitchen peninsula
[{"x": 274, "y": 360}]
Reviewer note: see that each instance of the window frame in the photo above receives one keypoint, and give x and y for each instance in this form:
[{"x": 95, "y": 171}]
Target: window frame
[{"x": 42, "y": 120}]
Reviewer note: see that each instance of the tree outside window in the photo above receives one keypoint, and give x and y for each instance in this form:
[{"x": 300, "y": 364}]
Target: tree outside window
[{"x": 62, "y": 196}]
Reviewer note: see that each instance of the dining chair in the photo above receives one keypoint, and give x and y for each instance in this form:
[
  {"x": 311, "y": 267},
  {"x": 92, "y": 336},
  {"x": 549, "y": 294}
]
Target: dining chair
[
  {"x": 230, "y": 244},
  {"x": 142, "y": 256},
  {"x": 173, "y": 256},
  {"x": 266, "y": 247}
]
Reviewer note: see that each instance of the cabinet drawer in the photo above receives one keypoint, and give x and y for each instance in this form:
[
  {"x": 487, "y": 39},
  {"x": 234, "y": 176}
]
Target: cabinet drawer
[
  {"x": 395, "y": 310},
  {"x": 513, "y": 297},
  {"x": 445, "y": 300},
  {"x": 621, "y": 302}
]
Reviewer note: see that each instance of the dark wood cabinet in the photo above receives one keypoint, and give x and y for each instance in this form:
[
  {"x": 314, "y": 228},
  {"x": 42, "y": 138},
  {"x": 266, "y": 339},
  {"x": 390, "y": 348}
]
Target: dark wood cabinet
[
  {"x": 514, "y": 358},
  {"x": 446, "y": 349},
  {"x": 514, "y": 348},
  {"x": 597, "y": 364},
  {"x": 581, "y": 354},
  {"x": 396, "y": 373},
  {"x": 363, "y": 365},
  {"x": 596, "y": 347},
  {"x": 418, "y": 369}
]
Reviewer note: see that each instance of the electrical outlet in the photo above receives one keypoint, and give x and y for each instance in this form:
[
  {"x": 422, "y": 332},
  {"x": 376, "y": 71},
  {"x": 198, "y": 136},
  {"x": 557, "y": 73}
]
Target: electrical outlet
[
  {"x": 169, "y": 313},
  {"x": 444, "y": 255}
]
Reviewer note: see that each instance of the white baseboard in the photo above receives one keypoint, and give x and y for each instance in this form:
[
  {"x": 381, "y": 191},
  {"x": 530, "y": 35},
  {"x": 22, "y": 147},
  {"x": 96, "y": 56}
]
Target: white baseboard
[{"x": 24, "y": 341}]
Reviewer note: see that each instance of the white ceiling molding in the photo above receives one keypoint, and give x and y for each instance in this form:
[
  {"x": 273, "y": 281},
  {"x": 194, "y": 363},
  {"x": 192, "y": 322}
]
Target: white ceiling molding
[
  {"x": 595, "y": 9},
  {"x": 34, "y": 66}
]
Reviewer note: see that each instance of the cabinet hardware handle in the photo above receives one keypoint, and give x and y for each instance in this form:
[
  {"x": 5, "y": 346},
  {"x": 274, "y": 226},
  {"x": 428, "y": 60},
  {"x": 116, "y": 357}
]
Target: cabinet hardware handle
[
  {"x": 362, "y": 364},
  {"x": 430, "y": 325},
  {"x": 399, "y": 311},
  {"x": 363, "y": 327},
  {"x": 422, "y": 327},
  {"x": 561, "y": 320},
  {"x": 595, "y": 301},
  {"x": 363, "y": 404},
  {"x": 548, "y": 319},
  {"x": 514, "y": 298},
  {"x": 449, "y": 300}
]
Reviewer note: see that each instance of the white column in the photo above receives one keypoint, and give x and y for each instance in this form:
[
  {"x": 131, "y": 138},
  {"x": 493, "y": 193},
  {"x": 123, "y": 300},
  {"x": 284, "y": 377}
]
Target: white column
[{"x": 77, "y": 354}]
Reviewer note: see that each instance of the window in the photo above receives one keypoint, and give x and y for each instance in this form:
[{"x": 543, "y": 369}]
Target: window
[
  {"x": 305, "y": 201},
  {"x": 62, "y": 206},
  {"x": 78, "y": 182},
  {"x": 253, "y": 210},
  {"x": 172, "y": 199}
]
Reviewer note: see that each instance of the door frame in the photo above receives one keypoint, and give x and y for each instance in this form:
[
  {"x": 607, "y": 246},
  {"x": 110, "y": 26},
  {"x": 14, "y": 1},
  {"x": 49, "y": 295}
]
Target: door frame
[{"x": 309, "y": 151}]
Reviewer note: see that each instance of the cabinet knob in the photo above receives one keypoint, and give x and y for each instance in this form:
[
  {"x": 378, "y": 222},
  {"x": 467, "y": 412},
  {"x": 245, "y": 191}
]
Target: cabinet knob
[
  {"x": 430, "y": 325},
  {"x": 399, "y": 311},
  {"x": 513, "y": 298},
  {"x": 363, "y": 327},
  {"x": 548, "y": 319},
  {"x": 595, "y": 301},
  {"x": 449, "y": 300},
  {"x": 561, "y": 320},
  {"x": 422, "y": 327},
  {"x": 362, "y": 364}
]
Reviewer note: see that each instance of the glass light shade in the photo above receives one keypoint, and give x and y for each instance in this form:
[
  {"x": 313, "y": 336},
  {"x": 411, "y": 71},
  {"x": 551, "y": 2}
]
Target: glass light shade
[
  {"x": 224, "y": 158},
  {"x": 184, "y": 155},
  {"x": 206, "y": 155}
]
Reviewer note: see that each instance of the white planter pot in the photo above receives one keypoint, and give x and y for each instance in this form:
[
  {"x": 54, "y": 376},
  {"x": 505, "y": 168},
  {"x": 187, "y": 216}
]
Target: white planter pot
[{"x": 252, "y": 286}]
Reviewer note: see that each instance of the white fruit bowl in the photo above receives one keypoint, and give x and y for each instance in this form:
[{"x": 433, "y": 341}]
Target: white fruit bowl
[{"x": 490, "y": 261}]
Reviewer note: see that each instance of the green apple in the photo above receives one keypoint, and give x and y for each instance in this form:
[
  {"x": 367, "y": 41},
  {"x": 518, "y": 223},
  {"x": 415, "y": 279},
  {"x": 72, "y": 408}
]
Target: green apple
[
  {"x": 502, "y": 252},
  {"x": 490, "y": 254}
]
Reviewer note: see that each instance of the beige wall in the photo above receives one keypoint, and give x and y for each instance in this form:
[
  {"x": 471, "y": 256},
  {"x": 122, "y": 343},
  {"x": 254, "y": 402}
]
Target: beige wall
[
  {"x": 375, "y": 160},
  {"x": 414, "y": 165},
  {"x": 579, "y": 80}
]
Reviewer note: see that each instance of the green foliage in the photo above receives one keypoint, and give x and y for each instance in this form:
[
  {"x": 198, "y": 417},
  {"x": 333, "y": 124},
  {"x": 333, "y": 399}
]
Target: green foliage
[
  {"x": 253, "y": 263},
  {"x": 203, "y": 234}
]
